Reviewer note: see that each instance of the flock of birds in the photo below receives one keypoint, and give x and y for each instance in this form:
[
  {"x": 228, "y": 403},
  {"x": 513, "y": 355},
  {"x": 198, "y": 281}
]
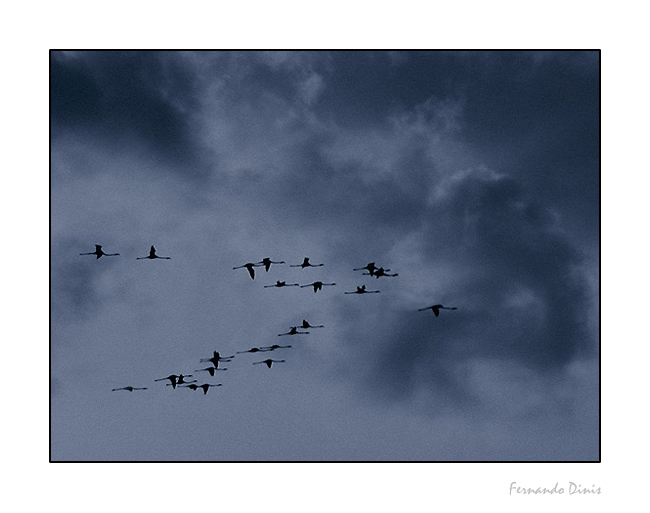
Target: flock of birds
[{"x": 181, "y": 379}]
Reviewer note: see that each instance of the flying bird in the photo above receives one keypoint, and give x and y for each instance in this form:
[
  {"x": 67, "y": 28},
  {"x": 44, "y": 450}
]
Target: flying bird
[
  {"x": 281, "y": 284},
  {"x": 216, "y": 358},
  {"x": 266, "y": 262},
  {"x": 174, "y": 379},
  {"x": 306, "y": 325},
  {"x": 98, "y": 251},
  {"x": 251, "y": 350},
  {"x": 294, "y": 331},
  {"x": 152, "y": 255},
  {"x": 205, "y": 387},
  {"x": 130, "y": 389},
  {"x": 210, "y": 370},
  {"x": 305, "y": 263},
  {"x": 249, "y": 266},
  {"x": 369, "y": 267},
  {"x": 318, "y": 285},
  {"x": 436, "y": 309},
  {"x": 379, "y": 273},
  {"x": 269, "y": 362},
  {"x": 178, "y": 383},
  {"x": 362, "y": 290},
  {"x": 273, "y": 347}
]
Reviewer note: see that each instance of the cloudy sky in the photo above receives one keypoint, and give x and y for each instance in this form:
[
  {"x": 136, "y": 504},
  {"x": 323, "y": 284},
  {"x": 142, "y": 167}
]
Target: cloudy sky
[{"x": 473, "y": 175}]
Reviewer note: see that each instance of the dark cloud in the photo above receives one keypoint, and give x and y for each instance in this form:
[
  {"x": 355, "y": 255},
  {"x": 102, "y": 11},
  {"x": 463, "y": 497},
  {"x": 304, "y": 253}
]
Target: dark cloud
[
  {"x": 534, "y": 115},
  {"x": 134, "y": 100},
  {"x": 515, "y": 278}
]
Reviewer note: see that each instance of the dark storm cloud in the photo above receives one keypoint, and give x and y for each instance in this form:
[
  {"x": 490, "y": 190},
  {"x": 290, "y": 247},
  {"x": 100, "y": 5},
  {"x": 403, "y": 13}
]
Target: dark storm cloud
[
  {"x": 136, "y": 100},
  {"x": 517, "y": 282},
  {"x": 527, "y": 113}
]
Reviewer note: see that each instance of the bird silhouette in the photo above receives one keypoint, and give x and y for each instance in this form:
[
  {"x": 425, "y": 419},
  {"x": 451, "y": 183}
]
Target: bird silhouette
[
  {"x": 269, "y": 362},
  {"x": 204, "y": 386},
  {"x": 273, "y": 347},
  {"x": 294, "y": 331},
  {"x": 370, "y": 267},
  {"x": 305, "y": 263},
  {"x": 152, "y": 255},
  {"x": 266, "y": 262},
  {"x": 251, "y": 350},
  {"x": 211, "y": 370},
  {"x": 249, "y": 266},
  {"x": 306, "y": 325},
  {"x": 281, "y": 284},
  {"x": 216, "y": 358},
  {"x": 362, "y": 290},
  {"x": 181, "y": 381},
  {"x": 318, "y": 285},
  {"x": 98, "y": 251},
  {"x": 174, "y": 379},
  {"x": 436, "y": 309},
  {"x": 129, "y": 388},
  {"x": 380, "y": 272}
]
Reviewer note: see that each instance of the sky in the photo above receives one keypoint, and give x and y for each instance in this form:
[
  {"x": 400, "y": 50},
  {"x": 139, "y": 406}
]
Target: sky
[{"x": 473, "y": 175}]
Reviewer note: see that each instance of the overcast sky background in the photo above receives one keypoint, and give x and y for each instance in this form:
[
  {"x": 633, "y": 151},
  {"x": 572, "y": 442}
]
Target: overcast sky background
[{"x": 475, "y": 176}]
